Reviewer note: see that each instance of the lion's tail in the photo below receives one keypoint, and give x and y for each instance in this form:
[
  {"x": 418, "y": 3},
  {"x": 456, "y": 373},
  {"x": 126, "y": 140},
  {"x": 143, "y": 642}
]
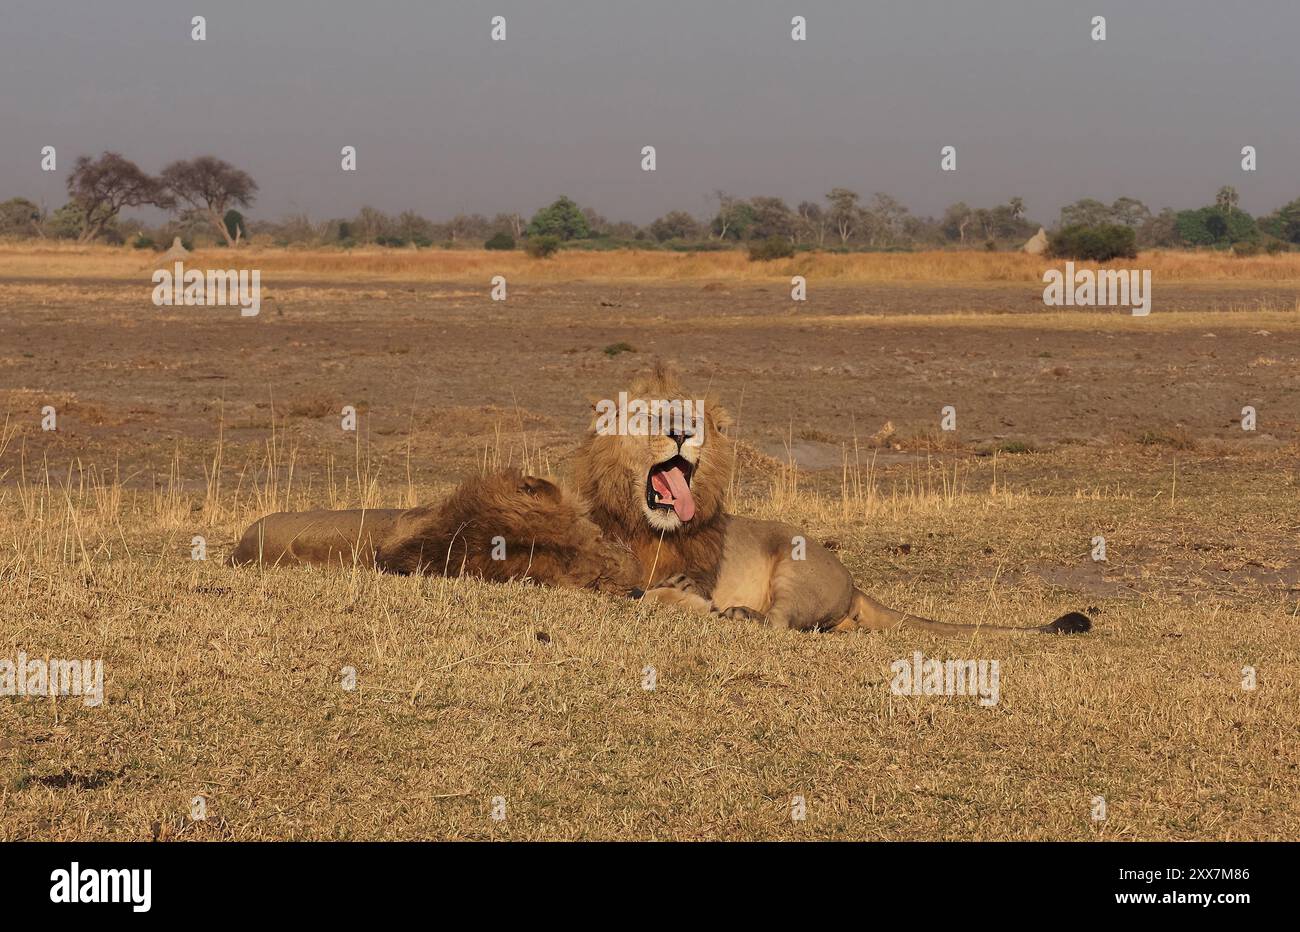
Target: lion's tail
[{"x": 865, "y": 612}]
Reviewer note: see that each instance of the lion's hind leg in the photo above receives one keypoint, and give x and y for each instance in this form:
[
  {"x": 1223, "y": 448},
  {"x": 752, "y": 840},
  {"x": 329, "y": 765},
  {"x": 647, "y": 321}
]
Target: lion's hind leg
[
  {"x": 683, "y": 592},
  {"x": 741, "y": 613}
]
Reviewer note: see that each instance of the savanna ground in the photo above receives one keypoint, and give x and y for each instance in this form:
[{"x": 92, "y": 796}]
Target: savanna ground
[{"x": 1072, "y": 424}]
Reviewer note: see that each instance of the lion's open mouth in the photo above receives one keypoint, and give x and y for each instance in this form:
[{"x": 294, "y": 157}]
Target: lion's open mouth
[{"x": 669, "y": 487}]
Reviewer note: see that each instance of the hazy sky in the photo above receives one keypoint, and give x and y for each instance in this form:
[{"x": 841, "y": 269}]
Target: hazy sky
[{"x": 446, "y": 120}]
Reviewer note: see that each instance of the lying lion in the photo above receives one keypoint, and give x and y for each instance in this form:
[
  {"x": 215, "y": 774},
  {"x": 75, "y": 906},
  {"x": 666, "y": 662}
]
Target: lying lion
[
  {"x": 663, "y": 495},
  {"x": 499, "y": 527}
]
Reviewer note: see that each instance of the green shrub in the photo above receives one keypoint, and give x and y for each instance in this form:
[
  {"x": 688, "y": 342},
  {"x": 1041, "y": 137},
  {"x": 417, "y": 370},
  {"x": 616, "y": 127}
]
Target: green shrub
[
  {"x": 501, "y": 241},
  {"x": 143, "y": 242},
  {"x": 539, "y": 247},
  {"x": 1284, "y": 223},
  {"x": 1246, "y": 249},
  {"x": 564, "y": 219},
  {"x": 1211, "y": 226},
  {"x": 233, "y": 221},
  {"x": 1096, "y": 243},
  {"x": 774, "y": 247}
]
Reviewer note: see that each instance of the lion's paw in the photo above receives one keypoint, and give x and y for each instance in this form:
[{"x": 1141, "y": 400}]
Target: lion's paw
[
  {"x": 682, "y": 583},
  {"x": 741, "y": 613}
]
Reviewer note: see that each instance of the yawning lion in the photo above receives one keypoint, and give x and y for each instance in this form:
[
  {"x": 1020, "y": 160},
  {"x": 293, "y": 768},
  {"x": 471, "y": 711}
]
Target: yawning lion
[{"x": 662, "y": 493}]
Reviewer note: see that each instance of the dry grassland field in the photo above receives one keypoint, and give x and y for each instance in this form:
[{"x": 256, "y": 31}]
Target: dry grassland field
[{"x": 1178, "y": 710}]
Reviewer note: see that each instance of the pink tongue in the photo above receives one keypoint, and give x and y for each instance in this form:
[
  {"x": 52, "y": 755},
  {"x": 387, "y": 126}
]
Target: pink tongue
[{"x": 671, "y": 486}]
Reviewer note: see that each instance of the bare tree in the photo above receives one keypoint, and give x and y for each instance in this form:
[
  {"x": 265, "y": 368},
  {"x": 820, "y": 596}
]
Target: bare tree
[
  {"x": 596, "y": 223},
  {"x": 814, "y": 221},
  {"x": 726, "y": 212},
  {"x": 414, "y": 228},
  {"x": 211, "y": 187},
  {"x": 956, "y": 218},
  {"x": 465, "y": 227},
  {"x": 844, "y": 211},
  {"x": 512, "y": 222},
  {"x": 371, "y": 224},
  {"x": 101, "y": 187},
  {"x": 887, "y": 216}
]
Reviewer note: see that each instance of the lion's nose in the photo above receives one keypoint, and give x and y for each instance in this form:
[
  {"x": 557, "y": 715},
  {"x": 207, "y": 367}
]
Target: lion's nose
[{"x": 680, "y": 436}]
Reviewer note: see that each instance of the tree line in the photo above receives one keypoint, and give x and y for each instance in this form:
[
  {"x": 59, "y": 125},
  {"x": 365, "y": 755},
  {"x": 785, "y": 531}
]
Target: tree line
[
  {"x": 203, "y": 191},
  {"x": 205, "y": 197}
]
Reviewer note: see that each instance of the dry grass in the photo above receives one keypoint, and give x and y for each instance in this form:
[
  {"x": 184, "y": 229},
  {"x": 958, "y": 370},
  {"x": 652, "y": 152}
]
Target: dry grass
[
  {"x": 226, "y": 683},
  {"x": 63, "y": 261}
]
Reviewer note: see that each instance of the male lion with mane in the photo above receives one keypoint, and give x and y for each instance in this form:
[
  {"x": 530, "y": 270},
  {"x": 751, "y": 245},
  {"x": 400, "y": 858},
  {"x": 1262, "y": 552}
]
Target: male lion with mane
[
  {"x": 663, "y": 494},
  {"x": 499, "y": 527}
]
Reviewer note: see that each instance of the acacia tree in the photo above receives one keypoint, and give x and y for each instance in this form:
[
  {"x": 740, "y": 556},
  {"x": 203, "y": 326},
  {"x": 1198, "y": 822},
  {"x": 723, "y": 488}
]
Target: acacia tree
[
  {"x": 676, "y": 224},
  {"x": 19, "y": 216},
  {"x": 100, "y": 188},
  {"x": 211, "y": 187},
  {"x": 772, "y": 217},
  {"x": 1130, "y": 211},
  {"x": 1088, "y": 212}
]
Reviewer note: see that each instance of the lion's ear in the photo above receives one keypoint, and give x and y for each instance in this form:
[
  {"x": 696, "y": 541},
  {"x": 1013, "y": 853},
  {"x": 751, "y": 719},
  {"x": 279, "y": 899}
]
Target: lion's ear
[
  {"x": 604, "y": 414},
  {"x": 594, "y": 405},
  {"x": 533, "y": 485},
  {"x": 721, "y": 419}
]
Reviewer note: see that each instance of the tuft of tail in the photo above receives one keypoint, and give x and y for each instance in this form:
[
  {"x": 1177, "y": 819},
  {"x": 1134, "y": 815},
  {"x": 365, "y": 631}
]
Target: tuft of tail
[
  {"x": 866, "y": 613},
  {"x": 1071, "y": 623}
]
